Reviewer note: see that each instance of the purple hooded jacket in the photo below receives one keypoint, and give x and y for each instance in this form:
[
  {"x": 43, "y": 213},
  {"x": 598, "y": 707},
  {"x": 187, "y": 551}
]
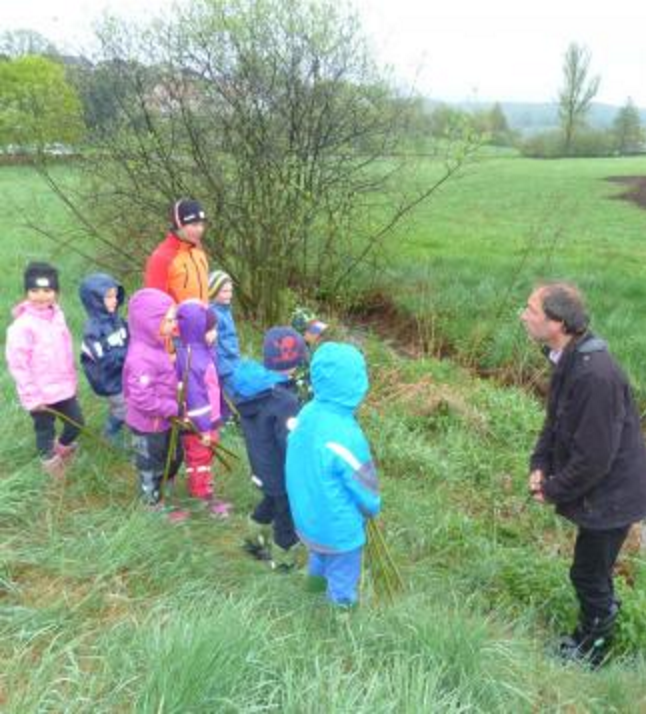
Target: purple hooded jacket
[
  {"x": 149, "y": 379},
  {"x": 202, "y": 394}
]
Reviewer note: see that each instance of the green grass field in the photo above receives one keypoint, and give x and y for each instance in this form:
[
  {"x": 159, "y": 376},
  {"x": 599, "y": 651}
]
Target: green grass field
[
  {"x": 464, "y": 264},
  {"x": 107, "y": 608}
]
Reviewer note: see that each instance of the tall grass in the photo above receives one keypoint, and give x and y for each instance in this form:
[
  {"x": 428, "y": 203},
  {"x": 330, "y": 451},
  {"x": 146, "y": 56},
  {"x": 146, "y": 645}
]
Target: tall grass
[
  {"x": 105, "y": 607},
  {"x": 465, "y": 263}
]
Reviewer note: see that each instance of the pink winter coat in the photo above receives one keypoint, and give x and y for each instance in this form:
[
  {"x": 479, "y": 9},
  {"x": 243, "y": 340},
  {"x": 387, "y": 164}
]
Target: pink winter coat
[{"x": 40, "y": 355}]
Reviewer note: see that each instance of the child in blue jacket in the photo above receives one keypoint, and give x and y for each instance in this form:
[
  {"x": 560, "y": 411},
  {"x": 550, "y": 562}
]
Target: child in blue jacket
[
  {"x": 331, "y": 479},
  {"x": 226, "y": 348},
  {"x": 105, "y": 343},
  {"x": 267, "y": 402}
]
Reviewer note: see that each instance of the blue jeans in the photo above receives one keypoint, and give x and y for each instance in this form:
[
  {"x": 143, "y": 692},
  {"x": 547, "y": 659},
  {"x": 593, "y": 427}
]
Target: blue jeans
[{"x": 342, "y": 572}]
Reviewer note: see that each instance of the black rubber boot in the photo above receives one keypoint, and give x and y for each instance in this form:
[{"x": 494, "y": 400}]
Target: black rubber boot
[
  {"x": 258, "y": 540},
  {"x": 590, "y": 642}
]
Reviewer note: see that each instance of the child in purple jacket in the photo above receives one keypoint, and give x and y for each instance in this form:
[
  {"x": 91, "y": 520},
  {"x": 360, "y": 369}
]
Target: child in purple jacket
[
  {"x": 150, "y": 389},
  {"x": 201, "y": 408}
]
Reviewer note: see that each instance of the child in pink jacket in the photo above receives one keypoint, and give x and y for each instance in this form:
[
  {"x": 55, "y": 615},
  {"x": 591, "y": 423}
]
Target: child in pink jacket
[{"x": 40, "y": 356}]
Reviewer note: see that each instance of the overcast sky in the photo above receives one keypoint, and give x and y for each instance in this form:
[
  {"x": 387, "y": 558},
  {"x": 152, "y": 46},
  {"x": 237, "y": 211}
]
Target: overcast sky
[{"x": 449, "y": 49}]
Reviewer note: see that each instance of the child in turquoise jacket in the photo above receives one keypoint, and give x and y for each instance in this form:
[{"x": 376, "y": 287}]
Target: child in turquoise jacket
[{"x": 331, "y": 479}]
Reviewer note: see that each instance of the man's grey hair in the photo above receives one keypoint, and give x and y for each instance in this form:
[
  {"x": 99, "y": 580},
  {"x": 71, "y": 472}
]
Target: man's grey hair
[{"x": 563, "y": 302}]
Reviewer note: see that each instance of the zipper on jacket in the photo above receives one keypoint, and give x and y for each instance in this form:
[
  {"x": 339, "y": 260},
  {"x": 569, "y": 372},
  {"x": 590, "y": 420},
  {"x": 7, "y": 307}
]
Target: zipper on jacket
[{"x": 197, "y": 271}]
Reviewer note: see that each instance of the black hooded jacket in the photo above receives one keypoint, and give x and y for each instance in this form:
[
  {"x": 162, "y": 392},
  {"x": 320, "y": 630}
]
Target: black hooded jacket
[
  {"x": 105, "y": 336},
  {"x": 591, "y": 447}
]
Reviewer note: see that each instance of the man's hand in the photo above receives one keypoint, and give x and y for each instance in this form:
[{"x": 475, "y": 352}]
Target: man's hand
[{"x": 536, "y": 479}]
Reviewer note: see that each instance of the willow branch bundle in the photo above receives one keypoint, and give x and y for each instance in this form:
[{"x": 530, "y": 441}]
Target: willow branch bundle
[
  {"x": 175, "y": 424},
  {"x": 84, "y": 430},
  {"x": 386, "y": 578},
  {"x": 221, "y": 453}
]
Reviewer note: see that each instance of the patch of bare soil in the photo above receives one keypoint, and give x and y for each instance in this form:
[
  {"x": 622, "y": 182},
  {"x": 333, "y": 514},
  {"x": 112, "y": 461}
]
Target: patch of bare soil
[{"x": 635, "y": 191}]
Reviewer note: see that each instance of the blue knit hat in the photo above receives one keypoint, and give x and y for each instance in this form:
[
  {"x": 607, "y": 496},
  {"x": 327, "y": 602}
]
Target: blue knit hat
[{"x": 283, "y": 349}]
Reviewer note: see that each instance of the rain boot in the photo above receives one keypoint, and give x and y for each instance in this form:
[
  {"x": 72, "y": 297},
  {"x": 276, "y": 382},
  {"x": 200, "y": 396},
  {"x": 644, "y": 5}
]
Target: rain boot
[
  {"x": 258, "y": 540},
  {"x": 285, "y": 560},
  {"x": 219, "y": 509},
  {"x": 590, "y": 642},
  {"x": 53, "y": 466},
  {"x": 66, "y": 452},
  {"x": 315, "y": 584}
]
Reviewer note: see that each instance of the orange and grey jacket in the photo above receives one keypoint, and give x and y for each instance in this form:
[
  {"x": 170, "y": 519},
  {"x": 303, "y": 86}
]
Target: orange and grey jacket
[{"x": 179, "y": 269}]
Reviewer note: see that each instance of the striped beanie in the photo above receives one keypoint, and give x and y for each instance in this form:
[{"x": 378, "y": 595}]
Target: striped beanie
[{"x": 217, "y": 279}]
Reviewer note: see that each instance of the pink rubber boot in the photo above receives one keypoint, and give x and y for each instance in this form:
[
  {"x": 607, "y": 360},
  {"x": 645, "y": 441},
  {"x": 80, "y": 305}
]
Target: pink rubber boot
[
  {"x": 54, "y": 466},
  {"x": 66, "y": 452}
]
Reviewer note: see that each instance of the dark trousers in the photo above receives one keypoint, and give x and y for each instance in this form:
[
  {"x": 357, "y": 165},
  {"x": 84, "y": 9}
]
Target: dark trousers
[
  {"x": 45, "y": 426},
  {"x": 275, "y": 510},
  {"x": 595, "y": 554},
  {"x": 151, "y": 454}
]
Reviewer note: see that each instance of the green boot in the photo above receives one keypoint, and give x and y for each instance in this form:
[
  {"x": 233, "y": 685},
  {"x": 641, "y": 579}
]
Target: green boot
[
  {"x": 285, "y": 560},
  {"x": 315, "y": 584},
  {"x": 258, "y": 540}
]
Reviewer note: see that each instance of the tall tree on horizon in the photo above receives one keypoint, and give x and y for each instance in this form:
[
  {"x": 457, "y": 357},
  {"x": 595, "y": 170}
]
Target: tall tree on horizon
[
  {"x": 577, "y": 92},
  {"x": 628, "y": 131}
]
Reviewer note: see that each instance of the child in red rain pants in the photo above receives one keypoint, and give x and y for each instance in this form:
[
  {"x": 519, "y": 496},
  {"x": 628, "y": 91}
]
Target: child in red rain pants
[{"x": 201, "y": 390}]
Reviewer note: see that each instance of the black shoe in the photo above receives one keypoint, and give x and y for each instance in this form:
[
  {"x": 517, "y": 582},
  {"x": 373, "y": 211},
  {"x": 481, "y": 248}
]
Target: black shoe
[{"x": 256, "y": 550}]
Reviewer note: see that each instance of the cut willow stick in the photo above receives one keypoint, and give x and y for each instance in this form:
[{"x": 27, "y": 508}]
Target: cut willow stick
[
  {"x": 82, "y": 429},
  {"x": 175, "y": 425},
  {"x": 221, "y": 453},
  {"x": 386, "y": 577}
]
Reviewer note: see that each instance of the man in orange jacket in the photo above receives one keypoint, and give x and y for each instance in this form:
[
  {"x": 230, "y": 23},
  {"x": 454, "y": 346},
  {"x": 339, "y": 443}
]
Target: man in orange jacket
[{"x": 178, "y": 265}]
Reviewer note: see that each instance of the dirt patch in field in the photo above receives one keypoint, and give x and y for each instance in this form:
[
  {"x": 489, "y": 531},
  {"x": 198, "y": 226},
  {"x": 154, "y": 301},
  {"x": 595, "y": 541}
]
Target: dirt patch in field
[{"x": 635, "y": 189}]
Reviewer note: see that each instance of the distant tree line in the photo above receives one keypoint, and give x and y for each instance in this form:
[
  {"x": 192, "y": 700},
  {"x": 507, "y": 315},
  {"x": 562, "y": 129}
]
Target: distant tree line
[{"x": 87, "y": 99}]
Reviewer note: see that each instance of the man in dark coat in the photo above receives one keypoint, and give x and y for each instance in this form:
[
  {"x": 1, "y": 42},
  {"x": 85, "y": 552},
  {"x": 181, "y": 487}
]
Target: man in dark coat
[{"x": 589, "y": 460}]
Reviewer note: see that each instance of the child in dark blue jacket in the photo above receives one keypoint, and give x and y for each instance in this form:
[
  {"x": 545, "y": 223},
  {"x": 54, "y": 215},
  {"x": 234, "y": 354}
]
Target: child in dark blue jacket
[
  {"x": 267, "y": 402},
  {"x": 105, "y": 343}
]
